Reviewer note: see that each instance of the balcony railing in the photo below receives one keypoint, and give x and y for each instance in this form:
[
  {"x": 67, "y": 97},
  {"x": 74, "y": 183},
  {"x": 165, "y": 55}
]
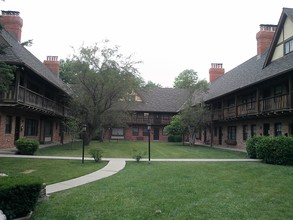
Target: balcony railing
[
  {"x": 33, "y": 99},
  {"x": 150, "y": 120},
  {"x": 271, "y": 104},
  {"x": 275, "y": 103}
]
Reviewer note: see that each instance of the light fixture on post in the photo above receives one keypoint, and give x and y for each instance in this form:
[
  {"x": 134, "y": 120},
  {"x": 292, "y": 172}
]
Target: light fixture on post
[
  {"x": 83, "y": 140},
  {"x": 149, "y": 136}
]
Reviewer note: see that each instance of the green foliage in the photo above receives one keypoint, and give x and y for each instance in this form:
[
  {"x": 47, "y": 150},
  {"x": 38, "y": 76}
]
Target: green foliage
[
  {"x": 137, "y": 155},
  {"x": 188, "y": 79},
  {"x": 27, "y": 43},
  {"x": 26, "y": 146},
  {"x": 251, "y": 146},
  {"x": 6, "y": 76},
  {"x": 275, "y": 150},
  {"x": 151, "y": 85},
  {"x": 101, "y": 76},
  {"x": 19, "y": 195},
  {"x": 175, "y": 138},
  {"x": 96, "y": 153}
]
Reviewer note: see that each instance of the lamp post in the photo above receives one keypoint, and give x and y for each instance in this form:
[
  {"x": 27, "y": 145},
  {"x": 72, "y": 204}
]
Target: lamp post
[
  {"x": 149, "y": 134},
  {"x": 83, "y": 137}
]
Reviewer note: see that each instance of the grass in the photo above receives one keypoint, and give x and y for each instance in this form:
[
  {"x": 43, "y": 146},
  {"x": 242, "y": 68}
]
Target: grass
[
  {"x": 124, "y": 149},
  {"x": 50, "y": 171},
  {"x": 180, "y": 190}
]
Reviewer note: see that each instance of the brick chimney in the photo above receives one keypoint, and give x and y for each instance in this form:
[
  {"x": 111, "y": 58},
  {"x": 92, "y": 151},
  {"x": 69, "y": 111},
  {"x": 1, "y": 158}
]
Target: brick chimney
[
  {"x": 12, "y": 23},
  {"x": 53, "y": 64},
  {"x": 216, "y": 71},
  {"x": 264, "y": 37}
]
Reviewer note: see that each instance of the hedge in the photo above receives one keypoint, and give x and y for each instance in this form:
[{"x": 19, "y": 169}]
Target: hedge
[
  {"x": 19, "y": 195},
  {"x": 26, "y": 146},
  {"x": 174, "y": 138},
  {"x": 272, "y": 150}
]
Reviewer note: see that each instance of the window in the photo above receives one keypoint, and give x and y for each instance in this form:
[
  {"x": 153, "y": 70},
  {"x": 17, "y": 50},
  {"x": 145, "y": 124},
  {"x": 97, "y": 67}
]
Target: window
[
  {"x": 278, "y": 129},
  {"x": 135, "y": 131},
  {"x": 288, "y": 46},
  {"x": 145, "y": 131},
  {"x": 266, "y": 129},
  {"x": 31, "y": 127},
  {"x": 249, "y": 100},
  {"x": 232, "y": 133},
  {"x": 117, "y": 131},
  {"x": 8, "y": 124},
  {"x": 245, "y": 132},
  {"x": 253, "y": 130}
]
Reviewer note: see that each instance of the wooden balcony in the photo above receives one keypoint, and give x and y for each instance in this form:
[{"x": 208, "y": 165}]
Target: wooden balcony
[
  {"x": 276, "y": 103},
  {"x": 267, "y": 105},
  {"x": 247, "y": 109},
  {"x": 33, "y": 100},
  {"x": 149, "y": 120}
]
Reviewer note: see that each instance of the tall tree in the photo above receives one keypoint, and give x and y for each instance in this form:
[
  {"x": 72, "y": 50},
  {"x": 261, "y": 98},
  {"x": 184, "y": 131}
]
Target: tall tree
[
  {"x": 151, "y": 85},
  {"x": 102, "y": 76},
  {"x": 188, "y": 79}
]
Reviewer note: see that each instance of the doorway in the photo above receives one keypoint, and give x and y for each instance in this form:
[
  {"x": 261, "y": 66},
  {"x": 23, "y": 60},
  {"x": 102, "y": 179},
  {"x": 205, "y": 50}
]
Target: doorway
[
  {"x": 17, "y": 129},
  {"x": 220, "y": 135},
  {"x": 156, "y": 133}
]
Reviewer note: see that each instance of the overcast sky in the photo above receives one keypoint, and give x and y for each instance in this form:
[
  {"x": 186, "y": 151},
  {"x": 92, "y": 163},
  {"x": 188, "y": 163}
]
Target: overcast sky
[{"x": 168, "y": 36}]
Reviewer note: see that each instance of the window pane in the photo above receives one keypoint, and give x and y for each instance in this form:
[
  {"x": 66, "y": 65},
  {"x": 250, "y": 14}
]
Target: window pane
[
  {"x": 8, "y": 124},
  {"x": 118, "y": 131},
  {"x": 135, "y": 131}
]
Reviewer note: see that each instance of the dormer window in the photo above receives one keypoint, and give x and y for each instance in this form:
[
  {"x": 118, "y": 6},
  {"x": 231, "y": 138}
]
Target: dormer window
[{"x": 288, "y": 46}]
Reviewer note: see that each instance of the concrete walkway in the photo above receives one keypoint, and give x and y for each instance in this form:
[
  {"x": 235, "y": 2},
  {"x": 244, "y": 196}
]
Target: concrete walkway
[{"x": 115, "y": 165}]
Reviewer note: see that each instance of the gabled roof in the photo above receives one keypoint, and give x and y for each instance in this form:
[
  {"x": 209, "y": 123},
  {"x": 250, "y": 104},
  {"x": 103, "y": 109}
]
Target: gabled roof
[
  {"x": 17, "y": 54},
  {"x": 160, "y": 100},
  {"x": 254, "y": 70},
  {"x": 286, "y": 13}
]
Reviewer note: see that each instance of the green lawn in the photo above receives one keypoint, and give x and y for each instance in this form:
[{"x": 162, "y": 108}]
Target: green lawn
[
  {"x": 50, "y": 171},
  {"x": 123, "y": 149},
  {"x": 179, "y": 190}
]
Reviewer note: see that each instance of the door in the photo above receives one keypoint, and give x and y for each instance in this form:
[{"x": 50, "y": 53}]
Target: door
[
  {"x": 17, "y": 128},
  {"x": 48, "y": 129},
  {"x": 266, "y": 129},
  {"x": 156, "y": 133},
  {"x": 220, "y": 135}
]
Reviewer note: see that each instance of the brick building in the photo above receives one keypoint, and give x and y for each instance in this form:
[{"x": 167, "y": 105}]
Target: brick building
[
  {"x": 153, "y": 108},
  {"x": 35, "y": 104},
  {"x": 254, "y": 98}
]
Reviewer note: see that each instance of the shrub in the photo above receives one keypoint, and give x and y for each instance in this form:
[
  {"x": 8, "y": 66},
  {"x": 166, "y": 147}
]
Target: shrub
[
  {"x": 96, "y": 153},
  {"x": 137, "y": 155},
  {"x": 251, "y": 146},
  {"x": 26, "y": 146},
  {"x": 19, "y": 195},
  {"x": 174, "y": 138},
  {"x": 275, "y": 150}
]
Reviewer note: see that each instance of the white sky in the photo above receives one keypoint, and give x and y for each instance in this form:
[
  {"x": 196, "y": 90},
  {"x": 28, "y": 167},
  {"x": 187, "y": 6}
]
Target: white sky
[{"x": 168, "y": 36}]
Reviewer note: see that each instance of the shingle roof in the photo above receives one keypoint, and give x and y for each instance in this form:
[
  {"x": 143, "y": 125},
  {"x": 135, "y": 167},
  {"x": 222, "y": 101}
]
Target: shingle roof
[
  {"x": 160, "y": 100},
  {"x": 17, "y": 54}
]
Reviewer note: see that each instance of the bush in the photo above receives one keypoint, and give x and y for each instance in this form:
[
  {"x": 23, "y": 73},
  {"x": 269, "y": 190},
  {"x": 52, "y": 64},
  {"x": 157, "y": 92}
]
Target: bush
[
  {"x": 174, "y": 138},
  {"x": 137, "y": 155},
  {"x": 251, "y": 146},
  {"x": 275, "y": 150},
  {"x": 96, "y": 153},
  {"x": 26, "y": 146},
  {"x": 19, "y": 195}
]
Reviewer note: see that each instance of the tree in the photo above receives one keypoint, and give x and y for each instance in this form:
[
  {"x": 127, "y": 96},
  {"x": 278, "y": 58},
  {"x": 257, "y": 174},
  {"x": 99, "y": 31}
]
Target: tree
[
  {"x": 6, "y": 76},
  {"x": 188, "y": 79},
  {"x": 102, "y": 77},
  {"x": 151, "y": 85}
]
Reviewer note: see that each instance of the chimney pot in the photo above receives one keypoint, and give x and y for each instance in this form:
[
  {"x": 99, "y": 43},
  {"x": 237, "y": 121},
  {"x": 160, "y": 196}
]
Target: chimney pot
[
  {"x": 12, "y": 23},
  {"x": 53, "y": 64},
  {"x": 216, "y": 71},
  {"x": 264, "y": 37}
]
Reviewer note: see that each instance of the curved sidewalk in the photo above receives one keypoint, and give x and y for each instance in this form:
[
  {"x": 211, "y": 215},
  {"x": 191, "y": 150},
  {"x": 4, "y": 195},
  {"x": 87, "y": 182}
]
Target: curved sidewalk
[{"x": 114, "y": 166}]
